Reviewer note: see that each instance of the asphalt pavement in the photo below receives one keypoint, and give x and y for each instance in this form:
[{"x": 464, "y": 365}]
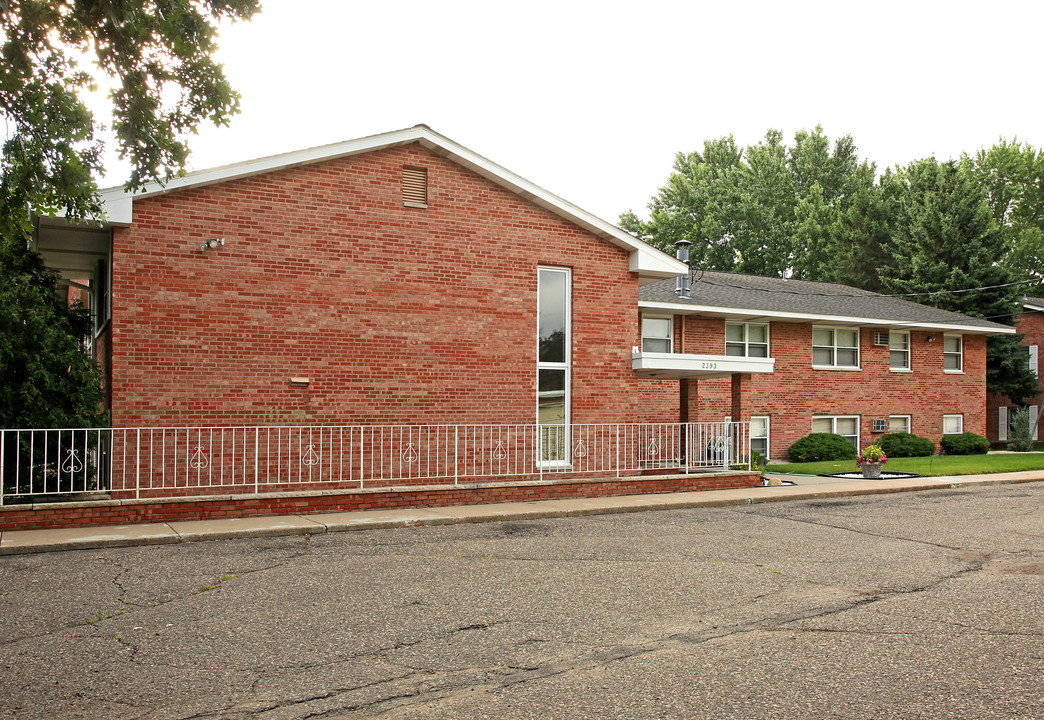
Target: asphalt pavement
[
  {"x": 920, "y": 604},
  {"x": 14, "y": 542}
]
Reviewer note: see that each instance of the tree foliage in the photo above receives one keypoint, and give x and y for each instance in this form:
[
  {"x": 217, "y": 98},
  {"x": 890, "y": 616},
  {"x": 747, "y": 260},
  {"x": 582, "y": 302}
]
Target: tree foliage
[
  {"x": 157, "y": 58},
  {"x": 48, "y": 379},
  {"x": 768, "y": 209},
  {"x": 818, "y": 214},
  {"x": 1012, "y": 175}
]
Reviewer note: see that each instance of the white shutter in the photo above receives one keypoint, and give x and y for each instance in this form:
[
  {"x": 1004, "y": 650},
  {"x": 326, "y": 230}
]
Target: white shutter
[
  {"x": 1033, "y": 420},
  {"x": 1002, "y": 424},
  {"x": 1033, "y": 360}
]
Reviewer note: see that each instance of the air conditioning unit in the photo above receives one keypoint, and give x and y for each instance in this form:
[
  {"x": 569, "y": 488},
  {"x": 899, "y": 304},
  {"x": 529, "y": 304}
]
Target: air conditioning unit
[
  {"x": 881, "y": 424},
  {"x": 881, "y": 338}
]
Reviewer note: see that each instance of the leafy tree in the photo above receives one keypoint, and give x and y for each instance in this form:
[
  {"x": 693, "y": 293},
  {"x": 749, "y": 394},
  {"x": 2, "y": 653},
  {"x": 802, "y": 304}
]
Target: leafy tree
[
  {"x": 157, "y": 57},
  {"x": 1012, "y": 175},
  {"x": 769, "y": 209},
  {"x": 945, "y": 238}
]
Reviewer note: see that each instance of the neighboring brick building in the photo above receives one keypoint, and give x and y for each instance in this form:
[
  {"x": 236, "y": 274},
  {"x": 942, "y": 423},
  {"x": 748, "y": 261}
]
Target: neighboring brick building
[
  {"x": 999, "y": 407},
  {"x": 845, "y": 360}
]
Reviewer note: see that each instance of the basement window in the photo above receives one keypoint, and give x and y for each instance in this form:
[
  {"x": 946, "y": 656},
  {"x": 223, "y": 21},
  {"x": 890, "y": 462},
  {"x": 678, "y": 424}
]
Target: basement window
[{"x": 415, "y": 187}]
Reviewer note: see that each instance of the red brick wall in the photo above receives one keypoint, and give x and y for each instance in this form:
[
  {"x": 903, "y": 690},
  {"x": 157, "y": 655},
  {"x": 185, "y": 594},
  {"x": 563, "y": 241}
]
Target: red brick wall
[
  {"x": 397, "y": 315},
  {"x": 1031, "y": 324},
  {"x": 794, "y": 392}
]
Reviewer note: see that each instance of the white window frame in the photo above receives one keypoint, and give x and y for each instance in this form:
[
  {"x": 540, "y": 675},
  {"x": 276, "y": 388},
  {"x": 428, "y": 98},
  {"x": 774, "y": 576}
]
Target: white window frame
[
  {"x": 566, "y": 365},
  {"x": 909, "y": 423},
  {"x": 959, "y": 354},
  {"x": 904, "y": 350},
  {"x": 746, "y": 343},
  {"x": 960, "y": 424},
  {"x": 833, "y": 425},
  {"x": 834, "y": 347},
  {"x": 670, "y": 332},
  {"x": 767, "y": 436}
]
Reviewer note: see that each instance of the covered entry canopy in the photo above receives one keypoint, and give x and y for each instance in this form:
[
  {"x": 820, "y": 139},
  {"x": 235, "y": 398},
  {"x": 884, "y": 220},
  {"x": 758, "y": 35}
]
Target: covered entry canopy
[{"x": 678, "y": 366}]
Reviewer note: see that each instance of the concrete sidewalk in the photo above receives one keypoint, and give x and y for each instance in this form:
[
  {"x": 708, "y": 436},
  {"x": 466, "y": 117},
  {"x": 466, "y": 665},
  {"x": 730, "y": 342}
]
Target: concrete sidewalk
[{"x": 13, "y": 542}]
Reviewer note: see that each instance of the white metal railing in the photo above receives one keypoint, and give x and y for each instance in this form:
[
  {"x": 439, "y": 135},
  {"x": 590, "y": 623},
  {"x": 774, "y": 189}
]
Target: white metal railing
[{"x": 173, "y": 461}]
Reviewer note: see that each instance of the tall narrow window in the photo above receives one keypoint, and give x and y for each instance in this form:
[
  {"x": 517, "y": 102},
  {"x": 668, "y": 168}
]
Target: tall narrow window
[{"x": 553, "y": 362}]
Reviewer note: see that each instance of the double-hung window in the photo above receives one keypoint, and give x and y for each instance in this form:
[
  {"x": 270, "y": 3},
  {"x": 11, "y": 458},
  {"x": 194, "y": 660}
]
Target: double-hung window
[
  {"x": 899, "y": 350},
  {"x": 847, "y": 426},
  {"x": 953, "y": 353},
  {"x": 759, "y": 435},
  {"x": 554, "y": 292},
  {"x": 835, "y": 348},
  {"x": 746, "y": 340},
  {"x": 657, "y": 334}
]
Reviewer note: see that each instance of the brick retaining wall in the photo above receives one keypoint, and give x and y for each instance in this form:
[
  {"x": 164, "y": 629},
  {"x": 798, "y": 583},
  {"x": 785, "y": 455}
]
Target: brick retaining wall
[{"x": 127, "y": 512}]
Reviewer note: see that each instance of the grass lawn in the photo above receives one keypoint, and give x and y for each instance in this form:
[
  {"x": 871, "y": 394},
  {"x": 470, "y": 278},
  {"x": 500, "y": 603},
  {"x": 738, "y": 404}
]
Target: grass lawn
[{"x": 927, "y": 466}]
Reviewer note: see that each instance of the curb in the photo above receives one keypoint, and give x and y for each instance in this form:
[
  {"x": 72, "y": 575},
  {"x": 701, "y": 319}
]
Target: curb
[{"x": 20, "y": 542}]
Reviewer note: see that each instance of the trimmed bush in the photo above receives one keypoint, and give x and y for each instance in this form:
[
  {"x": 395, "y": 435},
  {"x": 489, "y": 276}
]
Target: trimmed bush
[
  {"x": 904, "y": 444},
  {"x": 965, "y": 444},
  {"x": 821, "y": 446}
]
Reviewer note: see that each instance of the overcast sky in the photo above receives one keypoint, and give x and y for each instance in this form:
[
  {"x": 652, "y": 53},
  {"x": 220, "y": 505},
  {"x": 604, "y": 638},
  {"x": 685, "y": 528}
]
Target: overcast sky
[{"x": 591, "y": 100}]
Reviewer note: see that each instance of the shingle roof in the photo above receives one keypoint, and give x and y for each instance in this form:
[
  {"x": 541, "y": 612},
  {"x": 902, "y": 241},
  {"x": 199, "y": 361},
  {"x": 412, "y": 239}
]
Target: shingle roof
[
  {"x": 803, "y": 298},
  {"x": 1039, "y": 302}
]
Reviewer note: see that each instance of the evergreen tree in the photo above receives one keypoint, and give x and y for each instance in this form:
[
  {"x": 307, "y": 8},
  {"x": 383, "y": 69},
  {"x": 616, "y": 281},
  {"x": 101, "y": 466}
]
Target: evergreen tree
[{"x": 945, "y": 238}]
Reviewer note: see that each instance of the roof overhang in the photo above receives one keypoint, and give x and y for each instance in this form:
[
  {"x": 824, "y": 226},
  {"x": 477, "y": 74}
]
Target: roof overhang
[
  {"x": 648, "y": 262},
  {"x": 753, "y": 314},
  {"x": 1030, "y": 306},
  {"x": 676, "y": 366}
]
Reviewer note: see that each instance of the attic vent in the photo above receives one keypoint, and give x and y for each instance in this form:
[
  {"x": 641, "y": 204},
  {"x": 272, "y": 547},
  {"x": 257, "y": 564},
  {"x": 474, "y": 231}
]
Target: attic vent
[
  {"x": 415, "y": 187},
  {"x": 881, "y": 338},
  {"x": 881, "y": 424}
]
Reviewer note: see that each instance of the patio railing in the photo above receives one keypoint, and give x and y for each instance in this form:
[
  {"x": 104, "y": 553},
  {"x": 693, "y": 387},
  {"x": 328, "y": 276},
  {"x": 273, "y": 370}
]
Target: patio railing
[{"x": 179, "y": 461}]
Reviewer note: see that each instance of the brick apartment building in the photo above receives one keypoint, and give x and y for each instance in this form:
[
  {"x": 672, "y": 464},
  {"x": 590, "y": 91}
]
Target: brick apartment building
[{"x": 402, "y": 279}]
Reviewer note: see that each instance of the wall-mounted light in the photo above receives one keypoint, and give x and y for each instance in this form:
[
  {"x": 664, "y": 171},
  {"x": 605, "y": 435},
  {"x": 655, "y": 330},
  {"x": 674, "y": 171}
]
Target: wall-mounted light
[
  {"x": 300, "y": 382},
  {"x": 211, "y": 244},
  {"x": 931, "y": 338}
]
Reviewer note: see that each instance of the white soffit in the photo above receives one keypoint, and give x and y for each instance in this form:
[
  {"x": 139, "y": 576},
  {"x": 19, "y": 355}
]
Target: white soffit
[
  {"x": 1028, "y": 306},
  {"x": 750, "y": 314},
  {"x": 646, "y": 260}
]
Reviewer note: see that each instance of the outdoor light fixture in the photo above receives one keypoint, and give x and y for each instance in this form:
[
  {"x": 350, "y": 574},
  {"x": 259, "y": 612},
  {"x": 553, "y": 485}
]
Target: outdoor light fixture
[
  {"x": 931, "y": 338},
  {"x": 211, "y": 244}
]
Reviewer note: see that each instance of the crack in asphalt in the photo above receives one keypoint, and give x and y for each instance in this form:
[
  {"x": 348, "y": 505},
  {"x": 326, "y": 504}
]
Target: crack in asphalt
[{"x": 127, "y": 606}]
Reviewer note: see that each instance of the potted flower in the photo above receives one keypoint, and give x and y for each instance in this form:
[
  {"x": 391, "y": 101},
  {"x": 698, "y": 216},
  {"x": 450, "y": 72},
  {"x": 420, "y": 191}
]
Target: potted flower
[{"x": 871, "y": 460}]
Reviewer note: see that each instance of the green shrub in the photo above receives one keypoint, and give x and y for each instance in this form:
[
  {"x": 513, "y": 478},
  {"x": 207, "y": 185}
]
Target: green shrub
[
  {"x": 965, "y": 444},
  {"x": 904, "y": 444},
  {"x": 1021, "y": 436},
  {"x": 821, "y": 446}
]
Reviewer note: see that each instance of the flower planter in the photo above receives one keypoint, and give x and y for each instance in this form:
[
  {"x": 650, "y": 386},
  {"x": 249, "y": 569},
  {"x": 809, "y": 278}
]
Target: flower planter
[{"x": 871, "y": 470}]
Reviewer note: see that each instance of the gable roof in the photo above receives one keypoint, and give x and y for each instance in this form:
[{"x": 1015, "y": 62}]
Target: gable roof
[
  {"x": 732, "y": 295},
  {"x": 649, "y": 262}
]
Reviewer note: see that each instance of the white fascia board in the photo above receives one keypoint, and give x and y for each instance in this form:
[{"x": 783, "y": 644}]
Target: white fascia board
[
  {"x": 749, "y": 313},
  {"x": 1033, "y": 307},
  {"x": 646, "y": 260}
]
